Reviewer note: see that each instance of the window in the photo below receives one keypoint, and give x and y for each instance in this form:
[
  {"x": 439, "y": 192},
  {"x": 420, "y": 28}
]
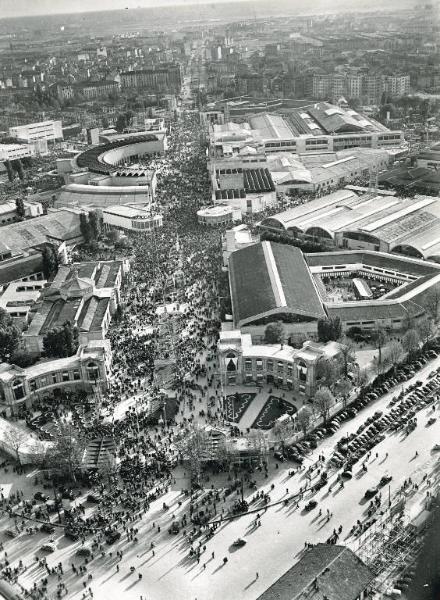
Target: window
[
  {"x": 248, "y": 364},
  {"x": 92, "y": 371},
  {"x": 18, "y": 389},
  {"x": 76, "y": 375},
  {"x": 43, "y": 381},
  {"x": 280, "y": 367},
  {"x": 54, "y": 378},
  {"x": 65, "y": 375},
  {"x": 259, "y": 364},
  {"x": 270, "y": 365},
  {"x": 33, "y": 385}
]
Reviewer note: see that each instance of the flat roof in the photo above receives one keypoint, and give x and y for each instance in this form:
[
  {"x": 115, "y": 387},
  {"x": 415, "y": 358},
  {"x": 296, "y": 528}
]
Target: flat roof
[
  {"x": 122, "y": 210},
  {"x": 272, "y": 126}
]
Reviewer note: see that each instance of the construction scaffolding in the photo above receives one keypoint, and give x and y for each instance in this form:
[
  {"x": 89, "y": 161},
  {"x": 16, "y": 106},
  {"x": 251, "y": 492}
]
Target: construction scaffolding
[{"x": 390, "y": 546}]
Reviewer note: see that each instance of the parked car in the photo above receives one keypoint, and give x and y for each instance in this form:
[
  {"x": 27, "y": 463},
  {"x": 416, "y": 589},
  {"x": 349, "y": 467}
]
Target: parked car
[
  {"x": 370, "y": 493},
  {"x": 311, "y": 505},
  {"x": 112, "y": 536},
  {"x": 48, "y": 548},
  {"x": 41, "y": 497},
  {"x": 239, "y": 542},
  {"x": 385, "y": 479}
]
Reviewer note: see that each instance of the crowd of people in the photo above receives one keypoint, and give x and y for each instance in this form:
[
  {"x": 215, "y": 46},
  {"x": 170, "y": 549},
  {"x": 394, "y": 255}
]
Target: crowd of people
[{"x": 171, "y": 313}]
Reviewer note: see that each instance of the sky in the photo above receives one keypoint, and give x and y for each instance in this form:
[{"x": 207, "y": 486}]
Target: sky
[{"x": 19, "y": 8}]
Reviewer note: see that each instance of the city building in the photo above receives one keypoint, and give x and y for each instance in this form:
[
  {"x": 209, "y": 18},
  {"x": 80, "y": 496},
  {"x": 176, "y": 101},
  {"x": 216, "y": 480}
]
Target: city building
[
  {"x": 324, "y": 572},
  {"x": 19, "y": 298},
  {"x": 131, "y": 218},
  {"x": 238, "y": 237},
  {"x": 373, "y": 220},
  {"x": 95, "y": 89},
  {"x": 242, "y": 362},
  {"x": 8, "y": 211},
  {"x": 222, "y": 214},
  {"x": 325, "y": 171},
  {"x": 122, "y": 149},
  {"x": 365, "y": 87},
  {"x": 427, "y": 159},
  {"x": 22, "y": 243},
  {"x": 247, "y": 190},
  {"x": 86, "y": 370},
  {"x": 120, "y": 187},
  {"x": 396, "y": 85},
  {"x": 276, "y": 282},
  {"x": 158, "y": 78},
  {"x": 46, "y": 130},
  {"x": 15, "y": 151},
  {"x": 85, "y": 295},
  {"x": 321, "y": 127}
]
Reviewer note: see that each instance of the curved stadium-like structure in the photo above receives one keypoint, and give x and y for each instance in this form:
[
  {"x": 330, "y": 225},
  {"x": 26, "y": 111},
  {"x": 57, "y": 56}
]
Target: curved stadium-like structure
[{"x": 104, "y": 159}]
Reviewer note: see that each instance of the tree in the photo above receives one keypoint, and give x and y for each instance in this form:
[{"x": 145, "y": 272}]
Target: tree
[
  {"x": 22, "y": 358},
  {"x": 84, "y": 225},
  {"x": 327, "y": 372},
  {"x": 19, "y": 207},
  {"x": 274, "y": 333},
  {"x": 15, "y": 438},
  {"x": 195, "y": 450},
  {"x": 114, "y": 235},
  {"x": 379, "y": 338},
  {"x": 304, "y": 418},
  {"x": 394, "y": 353},
  {"x": 347, "y": 354},
  {"x": 67, "y": 450},
  {"x": 18, "y": 168},
  {"x": 323, "y": 401},
  {"x": 282, "y": 430},
  {"x": 362, "y": 377},
  {"x": 50, "y": 261},
  {"x": 343, "y": 389},
  {"x": 425, "y": 328},
  {"x": 95, "y": 223},
  {"x": 411, "y": 341},
  {"x": 9, "y": 170},
  {"x": 329, "y": 329},
  {"x": 62, "y": 341},
  {"x": 9, "y": 336},
  {"x": 431, "y": 302}
]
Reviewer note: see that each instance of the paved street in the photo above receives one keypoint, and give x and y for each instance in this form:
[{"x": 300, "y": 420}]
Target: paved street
[{"x": 284, "y": 527}]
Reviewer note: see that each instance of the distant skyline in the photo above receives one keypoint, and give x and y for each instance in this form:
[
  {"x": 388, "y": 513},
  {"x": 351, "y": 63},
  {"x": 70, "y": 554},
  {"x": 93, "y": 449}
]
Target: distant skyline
[{"x": 22, "y": 8}]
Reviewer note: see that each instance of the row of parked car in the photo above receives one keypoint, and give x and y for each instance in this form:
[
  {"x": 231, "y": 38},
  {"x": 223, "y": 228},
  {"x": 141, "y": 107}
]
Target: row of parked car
[{"x": 353, "y": 447}]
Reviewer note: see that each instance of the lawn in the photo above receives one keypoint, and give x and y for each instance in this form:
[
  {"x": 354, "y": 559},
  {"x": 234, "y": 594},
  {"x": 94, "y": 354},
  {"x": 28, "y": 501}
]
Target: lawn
[
  {"x": 273, "y": 409},
  {"x": 236, "y": 405}
]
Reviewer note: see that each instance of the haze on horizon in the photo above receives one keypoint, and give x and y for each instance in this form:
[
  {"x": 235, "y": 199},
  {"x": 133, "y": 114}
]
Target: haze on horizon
[{"x": 25, "y": 8}]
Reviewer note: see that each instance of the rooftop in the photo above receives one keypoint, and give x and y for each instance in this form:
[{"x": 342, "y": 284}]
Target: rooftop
[
  {"x": 93, "y": 158},
  {"x": 272, "y": 278},
  {"x": 325, "y": 571},
  {"x": 59, "y": 225}
]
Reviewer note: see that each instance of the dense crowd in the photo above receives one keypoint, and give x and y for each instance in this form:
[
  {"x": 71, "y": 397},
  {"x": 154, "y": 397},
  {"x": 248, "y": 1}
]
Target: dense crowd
[{"x": 170, "y": 314}]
